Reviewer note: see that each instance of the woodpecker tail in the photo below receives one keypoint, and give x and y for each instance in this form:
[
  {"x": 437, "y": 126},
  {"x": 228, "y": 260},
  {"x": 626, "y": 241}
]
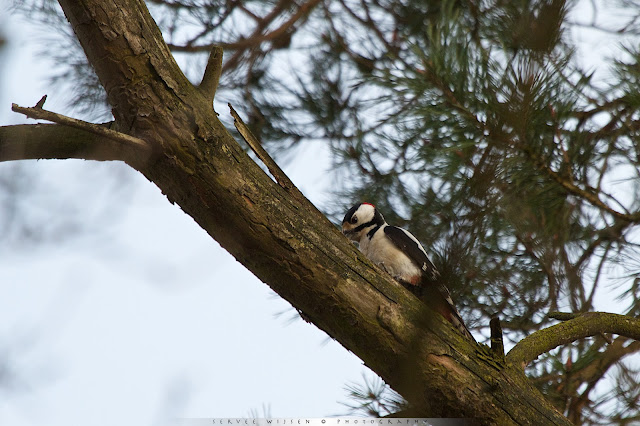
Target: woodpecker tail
[{"x": 437, "y": 296}]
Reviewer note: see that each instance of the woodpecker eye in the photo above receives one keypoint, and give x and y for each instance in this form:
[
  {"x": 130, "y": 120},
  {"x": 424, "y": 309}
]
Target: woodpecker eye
[{"x": 354, "y": 219}]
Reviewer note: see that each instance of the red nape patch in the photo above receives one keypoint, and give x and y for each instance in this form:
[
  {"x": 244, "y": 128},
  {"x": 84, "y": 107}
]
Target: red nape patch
[{"x": 369, "y": 205}]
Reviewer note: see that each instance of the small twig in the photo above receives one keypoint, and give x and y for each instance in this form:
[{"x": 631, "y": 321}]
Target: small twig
[
  {"x": 37, "y": 112},
  {"x": 258, "y": 36},
  {"x": 497, "y": 344},
  {"x": 212, "y": 72},
  {"x": 41, "y": 102},
  {"x": 255, "y": 145},
  {"x": 606, "y": 338},
  {"x": 572, "y": 329}
]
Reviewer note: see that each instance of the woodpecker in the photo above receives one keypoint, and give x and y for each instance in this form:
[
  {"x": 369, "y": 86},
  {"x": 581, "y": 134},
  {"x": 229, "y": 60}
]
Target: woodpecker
[{"x": 401, "y": 255}]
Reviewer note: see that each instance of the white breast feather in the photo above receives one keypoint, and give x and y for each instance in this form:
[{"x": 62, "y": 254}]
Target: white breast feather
[{"x": 381, "y": 251}]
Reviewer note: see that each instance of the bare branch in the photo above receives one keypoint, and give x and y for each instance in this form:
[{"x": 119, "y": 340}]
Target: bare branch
[
  {"x": 583, "y": 325},
  {"x": 37, "y": 112},
  {"x": 255, "y": 145},
  {"x": 211, "y": 77},
  {"x": 497, "y": 344}
]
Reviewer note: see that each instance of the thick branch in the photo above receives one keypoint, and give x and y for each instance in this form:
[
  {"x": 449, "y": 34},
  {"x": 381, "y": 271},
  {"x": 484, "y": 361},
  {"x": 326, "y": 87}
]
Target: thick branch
[
  {"x": 585, "y": 325},
  {"x": 53, "y": 141}
]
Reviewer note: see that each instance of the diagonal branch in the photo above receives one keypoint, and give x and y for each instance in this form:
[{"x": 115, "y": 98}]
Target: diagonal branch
[{"x": 584, "y": 325}]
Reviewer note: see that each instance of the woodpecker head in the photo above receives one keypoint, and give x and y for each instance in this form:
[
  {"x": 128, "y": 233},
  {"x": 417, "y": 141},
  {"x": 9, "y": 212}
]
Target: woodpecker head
[{"x": 361, "y": 219}]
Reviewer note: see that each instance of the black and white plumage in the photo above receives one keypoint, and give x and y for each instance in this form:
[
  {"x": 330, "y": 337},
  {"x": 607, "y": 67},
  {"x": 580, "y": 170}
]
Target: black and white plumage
[{"x": 403, "y": 257}]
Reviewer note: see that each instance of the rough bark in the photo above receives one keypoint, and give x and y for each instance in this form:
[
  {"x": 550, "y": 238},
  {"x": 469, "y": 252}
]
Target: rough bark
[{"x": 282, "y": 238}]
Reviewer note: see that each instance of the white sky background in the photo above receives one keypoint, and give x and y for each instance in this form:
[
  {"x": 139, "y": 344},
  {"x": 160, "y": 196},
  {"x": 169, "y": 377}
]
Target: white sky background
[{"x": 141, "y": 316}]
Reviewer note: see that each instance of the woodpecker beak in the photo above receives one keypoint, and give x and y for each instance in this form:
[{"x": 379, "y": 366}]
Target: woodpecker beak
[{"x": 349, "y": 233}]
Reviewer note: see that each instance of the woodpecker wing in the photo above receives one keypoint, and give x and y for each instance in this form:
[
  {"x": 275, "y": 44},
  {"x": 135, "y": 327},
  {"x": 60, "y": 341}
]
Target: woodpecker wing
[
  {"x": 430, "y": 289},
  {"x": 437, "y": 295},
  {"x": 409, "y": 245}
]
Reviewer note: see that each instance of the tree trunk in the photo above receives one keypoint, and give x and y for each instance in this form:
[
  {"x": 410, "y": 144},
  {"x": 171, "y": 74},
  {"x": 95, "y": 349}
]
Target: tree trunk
[{"x": 280, "y": 236}]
